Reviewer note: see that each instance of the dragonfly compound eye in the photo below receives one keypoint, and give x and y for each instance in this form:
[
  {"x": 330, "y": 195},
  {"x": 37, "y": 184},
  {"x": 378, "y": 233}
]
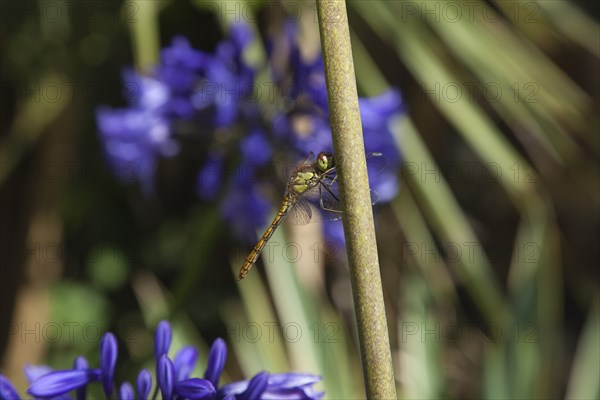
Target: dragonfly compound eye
[{"x": 323, "y": 161}]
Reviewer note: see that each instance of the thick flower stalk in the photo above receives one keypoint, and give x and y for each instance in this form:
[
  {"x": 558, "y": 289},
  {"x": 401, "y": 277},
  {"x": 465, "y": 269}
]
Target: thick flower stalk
[
  {"x": 359, "y": 229},
  {"x": 172, "y": 377}
]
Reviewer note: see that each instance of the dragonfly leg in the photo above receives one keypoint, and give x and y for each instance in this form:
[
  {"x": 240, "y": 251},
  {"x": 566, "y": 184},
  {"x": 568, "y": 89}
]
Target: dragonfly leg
[
  {"x": 327, "y": 175},
  {"x": 333, "y": 180},
  {"x": 321, "y": 184},
  {"x": 329, "y": 190}
]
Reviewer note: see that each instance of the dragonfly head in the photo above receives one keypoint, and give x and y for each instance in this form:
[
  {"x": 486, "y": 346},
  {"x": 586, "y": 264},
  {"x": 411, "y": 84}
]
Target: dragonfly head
[{"x": 325, "y": 161}]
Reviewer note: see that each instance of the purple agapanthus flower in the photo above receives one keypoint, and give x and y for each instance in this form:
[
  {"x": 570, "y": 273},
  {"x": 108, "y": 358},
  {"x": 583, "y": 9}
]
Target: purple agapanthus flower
[
  {"x": 180, "y": 69},
  {"x": 173, "y": 377},
  {"x": 229, "y": 79},
  {"x": 135, "y": 137},
  {"x": 187, "y": 85},
  {"x": 211, "y": 95},
  {"x": 261, "y": 386}
]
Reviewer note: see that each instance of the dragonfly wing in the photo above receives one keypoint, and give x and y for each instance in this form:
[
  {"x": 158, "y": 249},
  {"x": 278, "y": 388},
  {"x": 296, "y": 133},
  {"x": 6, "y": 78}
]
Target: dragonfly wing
[
  {"x": 301, "y": 213},
  {"x": 377, "y": 169},
  {"x": 374, "y": 197},
  {"x": 309, "y": 159},
  {"x": 376, "y": 163}
]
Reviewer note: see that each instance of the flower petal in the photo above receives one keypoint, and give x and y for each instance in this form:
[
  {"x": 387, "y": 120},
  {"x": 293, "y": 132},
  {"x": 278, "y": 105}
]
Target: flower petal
[
  {"x": 108, "y": 360},
  {"x": 291, "y": 380},
  {"x": 162, "y": 339},
  {"x": 60, "y": 382},
  {"x": 295, "y": 394},
  {"x": 165, "y": 372},
  {"x": 216, "y": 361},
  {"x": 144, "y": 384},
  {"x": 256, "y": 387},
  {"x": 7, "y": 390},
  {"x": 126, "y": 391},
  {"x": 292, "y": 386},
  {"x": 81, "y": 363},
  {"x": 184, "y": 362},
  {"x": 33, "y": 372},
  {"x": 195, "y": 388},
  {"x": 234, "y": 388}
]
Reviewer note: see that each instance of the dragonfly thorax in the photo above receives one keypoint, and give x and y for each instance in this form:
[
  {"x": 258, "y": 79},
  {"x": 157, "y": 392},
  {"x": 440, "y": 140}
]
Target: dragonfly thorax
[
  {"x": 307, "y": 176},
  {"x": 302, "y": 180}
]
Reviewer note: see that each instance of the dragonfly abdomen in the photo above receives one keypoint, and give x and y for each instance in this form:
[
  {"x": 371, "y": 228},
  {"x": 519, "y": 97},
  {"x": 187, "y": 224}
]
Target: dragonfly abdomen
[{"x": 253, "y": 256}]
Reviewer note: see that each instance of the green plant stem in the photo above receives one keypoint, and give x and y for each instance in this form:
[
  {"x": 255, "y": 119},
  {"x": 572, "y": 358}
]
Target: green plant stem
[
  {"x": 144, "y": 31},
  {"x": 356, "y": 200}
]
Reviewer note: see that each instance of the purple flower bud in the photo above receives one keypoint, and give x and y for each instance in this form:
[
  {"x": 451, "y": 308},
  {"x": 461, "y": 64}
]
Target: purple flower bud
[
  {"x": 216, "y": 361},
  {"x": 81, "y": 363},
  {"x": 144, "y": 384},
  {"x": 256, "y": 387},
  {"x": 162, "y": 339},
  {"x": 195, "y": 388},
  {"x": 165, "y": 372},
  {"x": 184, "y": 362},
  {"x": 108, "y": 360},
  {"x": 126, "y": 391},
  {"x": 60, "y": 382}
]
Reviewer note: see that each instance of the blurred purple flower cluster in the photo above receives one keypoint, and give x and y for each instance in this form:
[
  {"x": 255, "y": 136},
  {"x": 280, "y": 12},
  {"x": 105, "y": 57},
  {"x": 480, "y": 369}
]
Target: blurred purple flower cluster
[
  {"x": 172, "y": 375},
  {"x": 215, "y": 96}
]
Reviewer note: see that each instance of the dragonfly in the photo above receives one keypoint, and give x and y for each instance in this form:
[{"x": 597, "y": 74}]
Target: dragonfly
[{"x": 314, "y": 173}]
